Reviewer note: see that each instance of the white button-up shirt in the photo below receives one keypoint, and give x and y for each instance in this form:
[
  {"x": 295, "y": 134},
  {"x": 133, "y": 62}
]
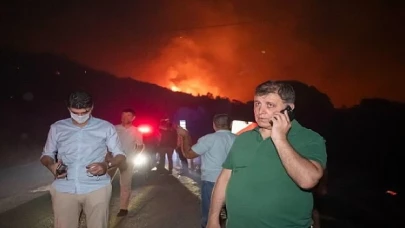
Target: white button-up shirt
[
  {"x": 129, "y": 137},
  {"x": 78, "y": 147}
]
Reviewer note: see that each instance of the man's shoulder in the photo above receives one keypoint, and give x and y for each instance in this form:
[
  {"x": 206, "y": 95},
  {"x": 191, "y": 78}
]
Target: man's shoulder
[
  {"x": 220, "y": 134},
  {"x": 208, "y": 136},
  {"x": 133, "y": 128},
  {"x": 247, "y": 134},
  {"x": 95, "y": 119},
  {"x": 231, "y": 136},
  {"x": 309, "y": 134},
  {"x": 102, "y": 123}
]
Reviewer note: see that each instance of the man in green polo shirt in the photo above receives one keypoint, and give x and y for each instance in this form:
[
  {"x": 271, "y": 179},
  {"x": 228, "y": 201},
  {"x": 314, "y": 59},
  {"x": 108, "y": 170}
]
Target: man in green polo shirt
[{"x": 268, "y": 175}]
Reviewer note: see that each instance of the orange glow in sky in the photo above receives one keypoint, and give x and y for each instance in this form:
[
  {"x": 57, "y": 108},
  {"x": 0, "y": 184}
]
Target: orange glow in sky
[{"x": 186, "y": 48}]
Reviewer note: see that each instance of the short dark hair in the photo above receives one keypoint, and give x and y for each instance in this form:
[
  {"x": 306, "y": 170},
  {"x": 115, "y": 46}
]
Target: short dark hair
[
  {"x": 283, "y": 89},
  {"x": 222, "y": 121},
  {"x": 130, "y": 110},
  {"x": 80, "y": 100}
]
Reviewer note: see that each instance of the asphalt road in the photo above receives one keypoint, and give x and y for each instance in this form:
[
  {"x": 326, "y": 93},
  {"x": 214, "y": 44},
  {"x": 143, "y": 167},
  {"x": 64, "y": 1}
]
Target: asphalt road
[
  {"x": 170, "y": 201},
  {"x": 161, "y": 201}
]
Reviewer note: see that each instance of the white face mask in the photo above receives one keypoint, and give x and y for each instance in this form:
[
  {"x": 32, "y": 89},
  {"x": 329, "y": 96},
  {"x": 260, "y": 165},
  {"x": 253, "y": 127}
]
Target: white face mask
[{"x": 80, "y": 119}]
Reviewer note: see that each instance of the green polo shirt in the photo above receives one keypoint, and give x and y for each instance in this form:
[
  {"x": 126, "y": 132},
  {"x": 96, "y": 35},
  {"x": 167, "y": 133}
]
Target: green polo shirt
[{"x": 260, "y": 193}]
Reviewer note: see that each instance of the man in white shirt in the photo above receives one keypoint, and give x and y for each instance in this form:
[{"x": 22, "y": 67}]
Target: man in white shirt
[
  {"x": 81, "y": 143},
  {"x": 132, "y": 143}
]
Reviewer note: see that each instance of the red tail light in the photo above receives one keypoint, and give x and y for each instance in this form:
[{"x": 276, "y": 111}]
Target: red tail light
[
  {"x": 391, "y": 192},
  {"x": 145, "y": 129}
]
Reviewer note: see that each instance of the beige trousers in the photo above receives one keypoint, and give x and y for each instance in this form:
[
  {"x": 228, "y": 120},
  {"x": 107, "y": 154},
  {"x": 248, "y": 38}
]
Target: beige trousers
[
  {"x": 125, "y": 183},
  {"x": 67, "y": 208}
]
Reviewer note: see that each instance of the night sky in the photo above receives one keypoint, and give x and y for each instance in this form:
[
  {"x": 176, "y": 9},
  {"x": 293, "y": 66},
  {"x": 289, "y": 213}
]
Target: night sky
[{"x": 347, "y": 49}]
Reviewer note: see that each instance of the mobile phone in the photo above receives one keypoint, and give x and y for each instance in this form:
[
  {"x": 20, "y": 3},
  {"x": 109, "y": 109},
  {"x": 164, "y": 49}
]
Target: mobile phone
[
  {"x": 61, "y": 169},
  {"x": 290, "y": 112},
  {"x": 182, "y": 124}
]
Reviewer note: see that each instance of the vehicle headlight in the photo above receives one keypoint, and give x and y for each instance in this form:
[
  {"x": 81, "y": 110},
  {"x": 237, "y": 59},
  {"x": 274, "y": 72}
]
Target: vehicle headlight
[{"x": 140, "y": 159}]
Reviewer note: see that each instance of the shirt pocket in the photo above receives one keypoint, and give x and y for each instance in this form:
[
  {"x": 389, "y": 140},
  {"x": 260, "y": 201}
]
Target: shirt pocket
[{"x": 242, "y": 161}]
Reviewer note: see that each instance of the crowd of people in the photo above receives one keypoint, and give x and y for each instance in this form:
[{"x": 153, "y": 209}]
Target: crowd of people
[{"x": 265, "y": 176}]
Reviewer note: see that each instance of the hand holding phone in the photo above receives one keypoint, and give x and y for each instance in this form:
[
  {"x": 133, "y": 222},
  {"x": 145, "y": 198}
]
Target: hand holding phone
[
  {"x": 290, "y": 113},
  {"x": 97, "y": 168},
  {"x": 59, "y": 170},
  {"x": 280, "y": 124},
  {"x": 181, "y": 131}
]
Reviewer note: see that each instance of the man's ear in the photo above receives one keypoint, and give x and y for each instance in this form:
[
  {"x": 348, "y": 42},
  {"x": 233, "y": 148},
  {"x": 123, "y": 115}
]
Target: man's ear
[{"x": 292, "y": 106}]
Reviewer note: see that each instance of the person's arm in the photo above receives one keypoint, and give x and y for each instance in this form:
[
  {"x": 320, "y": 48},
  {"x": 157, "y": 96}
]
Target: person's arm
[
  {"x": 218, "y": 196},
  {"x": 188, "y": 152},
  {"x": 139, "y": 146},
  {"x": 116, "y": 161},
  {"x": 322, "y": 188},
  {"x": 48, "y": 154},
  {"x": 118, "y": 156},
  {"x": 48, "y": 162},
  {"x": 114, "y": 146},
  {"x": 305, "y": 171},
  {"x": 304, "y": 164}
]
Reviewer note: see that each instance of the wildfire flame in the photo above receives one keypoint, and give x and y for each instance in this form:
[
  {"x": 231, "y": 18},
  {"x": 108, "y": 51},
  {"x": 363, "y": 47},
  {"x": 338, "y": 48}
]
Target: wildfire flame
[
  {"x": 175, "y": 89},
  {"x": 193, "y": 87},
  {"x": 184, "y": 68}
]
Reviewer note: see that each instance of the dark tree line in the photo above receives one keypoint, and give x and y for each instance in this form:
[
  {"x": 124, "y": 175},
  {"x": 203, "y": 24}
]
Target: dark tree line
[{"x": 363, "y": 141}]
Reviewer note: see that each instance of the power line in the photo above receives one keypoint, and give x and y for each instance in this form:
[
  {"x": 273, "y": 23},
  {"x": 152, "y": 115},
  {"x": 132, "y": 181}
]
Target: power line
[
  {"x": 217, "y": 26},
  {"x": 203, "y": 27}
]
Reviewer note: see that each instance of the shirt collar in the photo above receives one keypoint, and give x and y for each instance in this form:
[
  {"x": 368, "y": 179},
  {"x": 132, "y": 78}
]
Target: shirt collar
[
  {"x": 223, "y": 130},
  {"x": 91, "y": 120}
]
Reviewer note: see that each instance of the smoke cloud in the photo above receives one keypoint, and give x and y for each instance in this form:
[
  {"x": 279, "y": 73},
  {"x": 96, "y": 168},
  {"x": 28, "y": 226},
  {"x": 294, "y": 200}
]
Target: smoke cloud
[{"x": 322, "y": 45}]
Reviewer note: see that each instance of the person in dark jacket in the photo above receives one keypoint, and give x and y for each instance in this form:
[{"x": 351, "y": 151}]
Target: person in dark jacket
[{"x": 167, "y": 144}]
